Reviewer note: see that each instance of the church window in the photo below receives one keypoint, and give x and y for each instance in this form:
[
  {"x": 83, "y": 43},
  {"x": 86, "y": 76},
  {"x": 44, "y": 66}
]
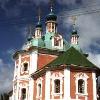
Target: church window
[
  {"x": 81, "y": 83},
  {"x": 49, "y": 27},
  {"x": 81, "y": 86},
  {"x": 56, "y": 41},
  {"x": 23, "y": 92},
  {"x": 25, "y": 67},
  {"x": 52, "y": 27},
  {"x": 39, "y": 90},
  {"x": 57, "y": 86}
]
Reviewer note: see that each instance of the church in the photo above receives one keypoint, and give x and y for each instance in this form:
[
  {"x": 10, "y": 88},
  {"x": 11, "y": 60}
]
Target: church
[{"x": 50, "y": 68}]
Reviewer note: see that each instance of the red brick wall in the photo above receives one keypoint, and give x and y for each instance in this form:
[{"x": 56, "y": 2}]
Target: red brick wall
[
  {"x": 43, "y": 88},
  {"x": 44, "y": 59}
]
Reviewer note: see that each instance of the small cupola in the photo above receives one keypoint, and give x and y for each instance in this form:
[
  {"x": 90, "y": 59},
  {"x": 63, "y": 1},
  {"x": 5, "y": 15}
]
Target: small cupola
[
  {"x": 38, "y": 28},
  {"x": 74, "y": 35}
]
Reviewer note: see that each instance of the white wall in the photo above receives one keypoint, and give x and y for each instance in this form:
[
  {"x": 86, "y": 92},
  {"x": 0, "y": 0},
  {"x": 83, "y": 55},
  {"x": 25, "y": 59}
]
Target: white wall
[{"x": 67, "y": 83}]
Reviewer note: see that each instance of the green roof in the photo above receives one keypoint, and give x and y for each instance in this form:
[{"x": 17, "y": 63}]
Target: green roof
[{"x": 74, "y": 57}]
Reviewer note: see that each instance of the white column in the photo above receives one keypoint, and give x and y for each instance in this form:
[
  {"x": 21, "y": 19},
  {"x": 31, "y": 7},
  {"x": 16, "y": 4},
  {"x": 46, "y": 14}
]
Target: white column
[
  {"x": 19, "y": 66},
  {"x": 33, "y": 62},
  {"x": 31, "y": 89},
  {"x": 17, "y": 91},
  {"x": 14, "y": 71},
  {"x": 47, "y": 86},
  {"x": 94, "y": 86},
  {"x": 67, "y": 84},
  {"x": 50, "y": 27}
]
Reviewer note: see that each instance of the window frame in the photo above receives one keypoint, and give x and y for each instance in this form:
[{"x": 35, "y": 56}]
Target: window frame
[
  {"x": 39, "y": 81},
  {"x": 57, "y": 41},
  {"x": 22, "y": 67},
  {"x": 84, "y": 77}
]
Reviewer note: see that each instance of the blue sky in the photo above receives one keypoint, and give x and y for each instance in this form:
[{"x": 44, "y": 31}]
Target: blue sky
[{"x": 16, "y": 15}]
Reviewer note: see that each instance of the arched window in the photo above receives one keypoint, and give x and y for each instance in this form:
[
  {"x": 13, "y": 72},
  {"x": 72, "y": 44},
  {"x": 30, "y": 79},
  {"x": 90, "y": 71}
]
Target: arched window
[
  {"x": 53, "y": 27},
  {"x": 23, "y": 93},
  {"x": 57, "y": 86},
  {"x": 49, "y": 27},
  {"x": 81, "y": 86},
  {"x": 25, "y": 66},
  {"x": 57, "y": 41}
]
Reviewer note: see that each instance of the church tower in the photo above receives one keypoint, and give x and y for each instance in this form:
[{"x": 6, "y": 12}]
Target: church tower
[
  {"x": 74, "y": 35},
  {"x": 38, "y": 28},
  {"x": 38, "y": 34},
  {"x": 53, "y": 40},
  {"x": 51, "y": 21}
]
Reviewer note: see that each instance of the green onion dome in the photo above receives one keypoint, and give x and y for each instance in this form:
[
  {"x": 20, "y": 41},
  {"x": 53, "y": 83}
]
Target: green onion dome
[
  {"x": 74, "y": 32},
  {"x": 51, "y": 16},
  {"x": 39, "y": 25}
]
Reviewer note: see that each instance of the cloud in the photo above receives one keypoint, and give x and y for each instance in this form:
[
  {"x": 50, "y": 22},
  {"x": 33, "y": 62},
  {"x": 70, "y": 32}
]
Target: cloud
[
  {"x": 24, "y": 31},
  {"x": 12, "y": 12},
  {"x": 10, "y": 9},
  {"x": 88, "y": 27},
  {"x": 81, "y": 2},
  {"x": 95, "y": 58},
  {"x": 6, "y": 76},
  {"x": 31, "y": 2},
  {"x": 89, "y": 30}
]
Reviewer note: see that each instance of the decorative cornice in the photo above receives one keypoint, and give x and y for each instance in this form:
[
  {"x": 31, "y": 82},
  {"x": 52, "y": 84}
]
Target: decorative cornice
[{"x": 43, "y": 70}]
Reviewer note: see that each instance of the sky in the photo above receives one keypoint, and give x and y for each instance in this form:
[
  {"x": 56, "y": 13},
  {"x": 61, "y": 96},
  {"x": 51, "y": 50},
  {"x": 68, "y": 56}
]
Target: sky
[{"x": 17, "y": 15}]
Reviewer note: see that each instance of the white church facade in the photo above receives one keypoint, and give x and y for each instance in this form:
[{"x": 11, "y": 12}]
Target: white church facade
[{"x": 50, "y": 68}]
